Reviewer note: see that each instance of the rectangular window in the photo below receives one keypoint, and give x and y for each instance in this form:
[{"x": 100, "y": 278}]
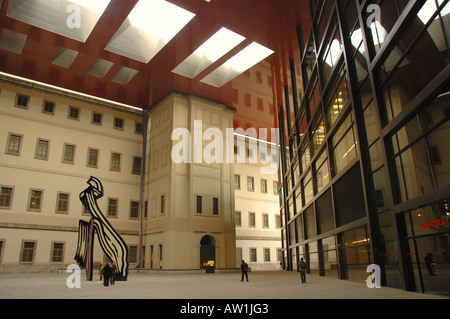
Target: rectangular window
[
  {"x": 279, "y": 254},
  {"x": 132, "y": 255},
  {"x": 22, "y": 100},
  {"x": 115, "y": 162},
  {"x": 137, "y": 161},
  {"x": 275, "y": 187},
  {"x": 264, "y": 186},
  {"x": 265, "y": 220},
  {"x": 74, "y": 113},
  {"x": 28, "y": 249},
  {"x": 250, "y": 184},
  {"x": 163, "y": 204},
  {"x": 35, "y": 200},
  {"x": 238, "y": 218},
  {"x": 134, "y": 210},
  {"x": 97, "y": 118},
  {"x": 57, "y": 252},
  {"x": 267, "y": 255},
  {"x": 253, "y": 258},
  {"x": 139, "y": 128},
  {"x": 112, "y": 207},
  {"x": 277, "y": 221},
  {"x": 48, "y": 107},
  {"x": 6, "y": 197},
  {"x": 41, "y": 149},
  {"x": 252, "y": 219},
  {"x": 118, "y": 123},
  {"x": 62, "y": 206},
  {"x": 215, "y": 206},
  {"x": 199, "y": 205},
  {"x": 92, "y": 157},
  {"x": 68, "y": 154},
  {"x": 14, "y": 142},
  {"x": 237, "y": 182}
]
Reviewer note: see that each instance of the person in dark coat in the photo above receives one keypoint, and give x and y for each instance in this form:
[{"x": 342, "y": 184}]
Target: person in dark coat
[
  {"x": 244, "y": 270},
  {"x": 302, "y": 270},
  {"x": 113, "y": 272},
  {"x": 106, "y": 274}
]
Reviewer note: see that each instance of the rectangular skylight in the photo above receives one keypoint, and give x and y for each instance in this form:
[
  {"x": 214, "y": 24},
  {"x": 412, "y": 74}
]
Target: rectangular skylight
[
  {"x": 71, "y": 18},
  {"x": 244, "y": 60},
  {"x": 209, "y": 52},
  {"x": 149, "y": 27}
]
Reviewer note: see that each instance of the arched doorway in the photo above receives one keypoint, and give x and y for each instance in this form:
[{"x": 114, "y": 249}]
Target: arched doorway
[{"x": 207, "y": 252}]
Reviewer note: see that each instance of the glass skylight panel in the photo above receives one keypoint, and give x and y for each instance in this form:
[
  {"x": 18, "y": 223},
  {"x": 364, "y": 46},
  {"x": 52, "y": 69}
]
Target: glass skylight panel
[
  {"x": 149, "y": 27},
  {"x": 125, "y": 75},
  {"x": 12, "y": 41},
  {"x": 71, "y": 18},
  {"x": 244, "y": 60},
  {"x": 64, "y": 57},
  {"x": 100, "y": 68},
  {"x": 209, "y": 52}
]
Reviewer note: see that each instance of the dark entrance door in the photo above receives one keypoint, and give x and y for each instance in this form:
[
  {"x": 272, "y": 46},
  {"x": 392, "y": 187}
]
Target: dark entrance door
[{"x": 207, "y": 252}]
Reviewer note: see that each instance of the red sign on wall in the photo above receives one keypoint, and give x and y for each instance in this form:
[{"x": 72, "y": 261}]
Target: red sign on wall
[{"x": 433, "y": 223}]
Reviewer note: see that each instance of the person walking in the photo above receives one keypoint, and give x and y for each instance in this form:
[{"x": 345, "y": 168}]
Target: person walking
[
  {"x": 106, "y": 274},
  {"x": 244, "y": 270},
  {"x": 302, "y": 270}
]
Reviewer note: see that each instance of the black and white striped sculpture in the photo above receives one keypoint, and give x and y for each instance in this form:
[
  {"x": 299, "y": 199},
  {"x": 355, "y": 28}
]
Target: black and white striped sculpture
[{"x": 111, "y": 243}]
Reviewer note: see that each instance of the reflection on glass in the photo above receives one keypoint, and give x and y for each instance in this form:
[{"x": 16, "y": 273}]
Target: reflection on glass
[{"x": 423, "y": 143}]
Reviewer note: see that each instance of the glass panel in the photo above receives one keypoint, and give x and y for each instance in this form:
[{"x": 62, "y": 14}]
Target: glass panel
[
  {"x": 431, "y": 219},
  {"x": 337, "y": 100},
  {"x": 324, "y": 212},
  {"x": 308, "y": 188},
  {"x": 349, "y": 197},
  {"x": 434, "y": 261},
  {"x": 345, "y": 149},
  {"x": 310, "y": 223},
  {"x": 300, "y": 232}
]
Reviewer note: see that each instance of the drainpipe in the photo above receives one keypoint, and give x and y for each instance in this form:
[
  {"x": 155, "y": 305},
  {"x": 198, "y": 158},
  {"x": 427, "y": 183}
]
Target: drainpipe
[{"x": 141, "y": 188}]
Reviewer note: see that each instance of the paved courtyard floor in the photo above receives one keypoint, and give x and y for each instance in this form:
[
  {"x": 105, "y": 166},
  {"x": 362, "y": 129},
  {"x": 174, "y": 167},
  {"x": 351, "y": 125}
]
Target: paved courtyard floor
[
  {"x": 261, "y": 285},
  {"x": 271, "y": 294}
]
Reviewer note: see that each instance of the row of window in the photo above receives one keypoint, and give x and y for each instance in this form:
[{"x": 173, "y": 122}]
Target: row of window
[
  {"x": 13, "y": 147},
  {"x": 253, "y": 255},
  {"x": 35, "y": 201},
  {"x": 29, "y": 247},
  {"x": 251, "y": 184},
  {"x": 252, "y": 220},
  {"x": 73, "y": 113}
]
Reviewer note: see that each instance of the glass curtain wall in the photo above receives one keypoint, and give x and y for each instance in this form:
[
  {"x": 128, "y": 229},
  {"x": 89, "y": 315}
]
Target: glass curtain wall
[{"x": 370, "y": 178}]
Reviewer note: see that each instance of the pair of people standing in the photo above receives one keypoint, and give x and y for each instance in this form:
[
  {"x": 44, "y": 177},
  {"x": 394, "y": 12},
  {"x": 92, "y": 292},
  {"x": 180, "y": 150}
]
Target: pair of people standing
[{"x": 108, "y": 274}]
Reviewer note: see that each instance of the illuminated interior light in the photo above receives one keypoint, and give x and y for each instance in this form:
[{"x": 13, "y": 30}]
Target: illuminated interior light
[
  {"x": 244, "y": 60},
  {"x": 98, "y": 6},
  {"x": 209, "y": 52}
]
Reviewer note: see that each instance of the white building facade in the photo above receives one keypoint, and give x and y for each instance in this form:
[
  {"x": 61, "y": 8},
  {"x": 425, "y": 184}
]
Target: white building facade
[{"x": 52, "y": 141}]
